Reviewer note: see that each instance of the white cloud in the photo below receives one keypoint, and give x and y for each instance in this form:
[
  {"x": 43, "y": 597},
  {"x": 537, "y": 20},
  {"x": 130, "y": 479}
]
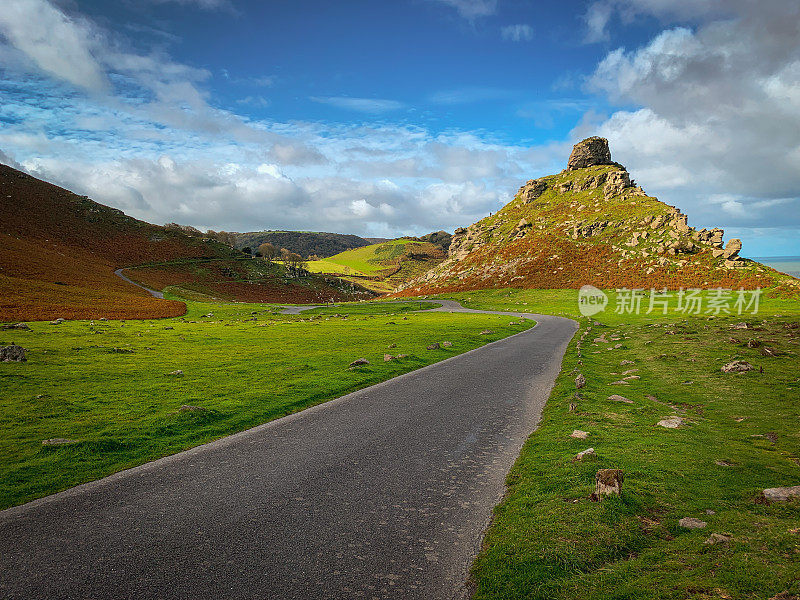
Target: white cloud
[
  {"x": 57, "y": 44},
  {"x": 471, "y": 9},
  {"x": 597, "y": 18},
  {"x": 366, "y": 105},
  {"x": 720, "y": 108},
  {"x": 517, "y": 33}
]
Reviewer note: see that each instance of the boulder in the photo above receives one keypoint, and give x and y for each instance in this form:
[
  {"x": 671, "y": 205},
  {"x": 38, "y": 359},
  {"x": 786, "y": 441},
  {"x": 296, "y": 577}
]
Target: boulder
[
  {"x": 580, "y": 381},
  {"x": 732, "y": 249},
  {"x": 616, "y": 182},
  {"x": 692, "y": 523},
  {"x": 12, "y": 353},
  {"x": 588, "y": 453},
  {"x": 359, "y": 362},
  {"x": 607, "y": 482},
  {"x": 672, "y": 422},
  {"x": 737, "y": 366},
  {"x": 782, "y": 494},
  {"x": 589, "y": 152}
]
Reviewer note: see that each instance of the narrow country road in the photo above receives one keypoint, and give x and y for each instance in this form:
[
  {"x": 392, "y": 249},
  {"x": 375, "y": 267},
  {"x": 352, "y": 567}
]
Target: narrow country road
[
  {"x": 156, "y": 294},
  {"x": 383, "y": 493}
]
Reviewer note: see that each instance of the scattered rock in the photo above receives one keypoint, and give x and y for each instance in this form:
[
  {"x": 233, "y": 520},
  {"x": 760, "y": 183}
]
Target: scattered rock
[
  {"x": 580, "y": 381},
  {"x": 13, "y": 353},
  {"x": 717, "y": 538},
  {"x": 387, "y": 357},
  {"x": 358, "y": 362},
  {"x": 189, "y": 408},
  {"x": 487, "y": 332},
  {"x": 670, "y": 422},
  {"x": 16, "y": 326},
  {"x": 447, "y": 344},
  {"x": 57, "y": 321},
  {"x": 122, "y": 351},
  {"x": 692, "y": 523},
  {"x": 58, "y": 442},
  {"x": 710, "y": 512},
  {"x": 767, "y": 351},
  {"x": 620, "y": 382},
  {"x": 785, "y": 595},
  {"x": 627, "y": 362},
  {"x": 402, "y": 356},
  {"x": 631, "y": 378},
  {"x": 618, "y": 398},
  {"x": 167, "y": 328},
  {"x": 723, "y": 463},
  {"x": 588, "y": 453},
  {"x": 579, "y": 435},
  {"x": 434, "y": 346},
  {"x": 392, "y": 346},
  {"x": 178, "y": 372},
  {"x": 607, "y": 482},
  {"x": 737, "y": 366},
  {"x": 782, "y": 494}
]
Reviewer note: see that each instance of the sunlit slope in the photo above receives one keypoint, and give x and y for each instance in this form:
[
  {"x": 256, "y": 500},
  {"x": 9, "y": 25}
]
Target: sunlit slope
[{"x": 382, "y": 267}]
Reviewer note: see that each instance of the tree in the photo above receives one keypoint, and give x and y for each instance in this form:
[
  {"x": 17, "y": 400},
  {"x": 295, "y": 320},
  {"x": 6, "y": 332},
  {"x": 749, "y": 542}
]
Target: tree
[{"x": 268, "y": 251}]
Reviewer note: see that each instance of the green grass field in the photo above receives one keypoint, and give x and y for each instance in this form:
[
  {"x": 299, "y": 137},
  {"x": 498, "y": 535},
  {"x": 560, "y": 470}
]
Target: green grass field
[
  {"x": 367, "y": 260},
  {"x": 741, "y": 434},
  {"x": 108, "y": 384}
]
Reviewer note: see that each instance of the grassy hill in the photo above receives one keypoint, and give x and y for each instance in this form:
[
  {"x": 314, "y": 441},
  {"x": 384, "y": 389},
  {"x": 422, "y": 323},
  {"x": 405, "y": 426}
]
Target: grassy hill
[
  {"x": 304, "y": 243},
  {"x": 59, "y": 251},
  {"x": 382, "y": 267},
  {"x": 592, "y": 225}
]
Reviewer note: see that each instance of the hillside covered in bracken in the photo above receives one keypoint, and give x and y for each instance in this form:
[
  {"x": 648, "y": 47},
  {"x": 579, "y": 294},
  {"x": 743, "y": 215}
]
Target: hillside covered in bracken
[
  {"x": 591, "y": 224},
  {"x": 59, "y": 251}
]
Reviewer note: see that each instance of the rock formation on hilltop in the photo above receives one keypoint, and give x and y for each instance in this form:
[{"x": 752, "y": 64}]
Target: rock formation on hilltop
[
  {"x": 591, "y": 224},
  {"x": 588, "y": 153}
]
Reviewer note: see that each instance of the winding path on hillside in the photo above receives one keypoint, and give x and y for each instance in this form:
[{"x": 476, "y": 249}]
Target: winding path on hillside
[
  {"x": 382, "y": 493},
  {"x": 156, "y": 294}
]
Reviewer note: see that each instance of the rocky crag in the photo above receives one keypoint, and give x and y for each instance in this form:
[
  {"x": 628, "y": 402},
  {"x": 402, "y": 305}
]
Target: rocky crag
[{"x": 591, "y": 224}]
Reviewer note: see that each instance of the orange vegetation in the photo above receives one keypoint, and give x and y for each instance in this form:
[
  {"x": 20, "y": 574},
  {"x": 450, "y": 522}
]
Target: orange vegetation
[{"x": 58, "y": 253}]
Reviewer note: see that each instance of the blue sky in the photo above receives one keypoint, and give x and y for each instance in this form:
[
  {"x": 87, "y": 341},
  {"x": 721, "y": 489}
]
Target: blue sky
[{"x": 389, "y": 118}]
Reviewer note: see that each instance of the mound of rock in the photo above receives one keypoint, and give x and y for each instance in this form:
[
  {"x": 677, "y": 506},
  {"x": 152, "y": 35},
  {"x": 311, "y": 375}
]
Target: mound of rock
[{"x": 589, "y": 152}]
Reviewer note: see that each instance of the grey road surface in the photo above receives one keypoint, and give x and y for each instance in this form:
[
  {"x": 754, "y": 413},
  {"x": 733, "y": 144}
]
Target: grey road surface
[
  {"x": 156, "y": 294},
  {"x": 383, "y": 493}
]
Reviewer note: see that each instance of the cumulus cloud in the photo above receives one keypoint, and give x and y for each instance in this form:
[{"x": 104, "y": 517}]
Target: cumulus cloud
[
  {"x": 517, "y": 33},
  {"x": 56, "y": 43},
  {"x": 717, "y": 128}
]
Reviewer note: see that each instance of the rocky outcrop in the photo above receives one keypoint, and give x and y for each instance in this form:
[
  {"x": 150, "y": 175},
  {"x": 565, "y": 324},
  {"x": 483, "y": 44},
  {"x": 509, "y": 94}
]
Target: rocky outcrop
[
  {"x": 588, "y": 153},
  {"x": 532, "y": 190}
]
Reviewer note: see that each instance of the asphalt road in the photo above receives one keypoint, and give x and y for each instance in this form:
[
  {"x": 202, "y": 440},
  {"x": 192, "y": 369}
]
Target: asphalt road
[{"x": 383, "y": 493}]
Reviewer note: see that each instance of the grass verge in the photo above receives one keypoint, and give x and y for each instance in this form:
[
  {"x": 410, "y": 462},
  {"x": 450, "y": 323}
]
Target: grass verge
[
  {"x": 740, "y": 433},
  {"x": 116, "y": 388}
]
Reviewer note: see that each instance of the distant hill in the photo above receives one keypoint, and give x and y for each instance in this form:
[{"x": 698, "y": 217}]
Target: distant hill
[
  {"x": 304, "y": 243},
  {"x": 385, "y": 266},
  {"x": 59, "y": 251},
  {"x": 591, "y": 224}
]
